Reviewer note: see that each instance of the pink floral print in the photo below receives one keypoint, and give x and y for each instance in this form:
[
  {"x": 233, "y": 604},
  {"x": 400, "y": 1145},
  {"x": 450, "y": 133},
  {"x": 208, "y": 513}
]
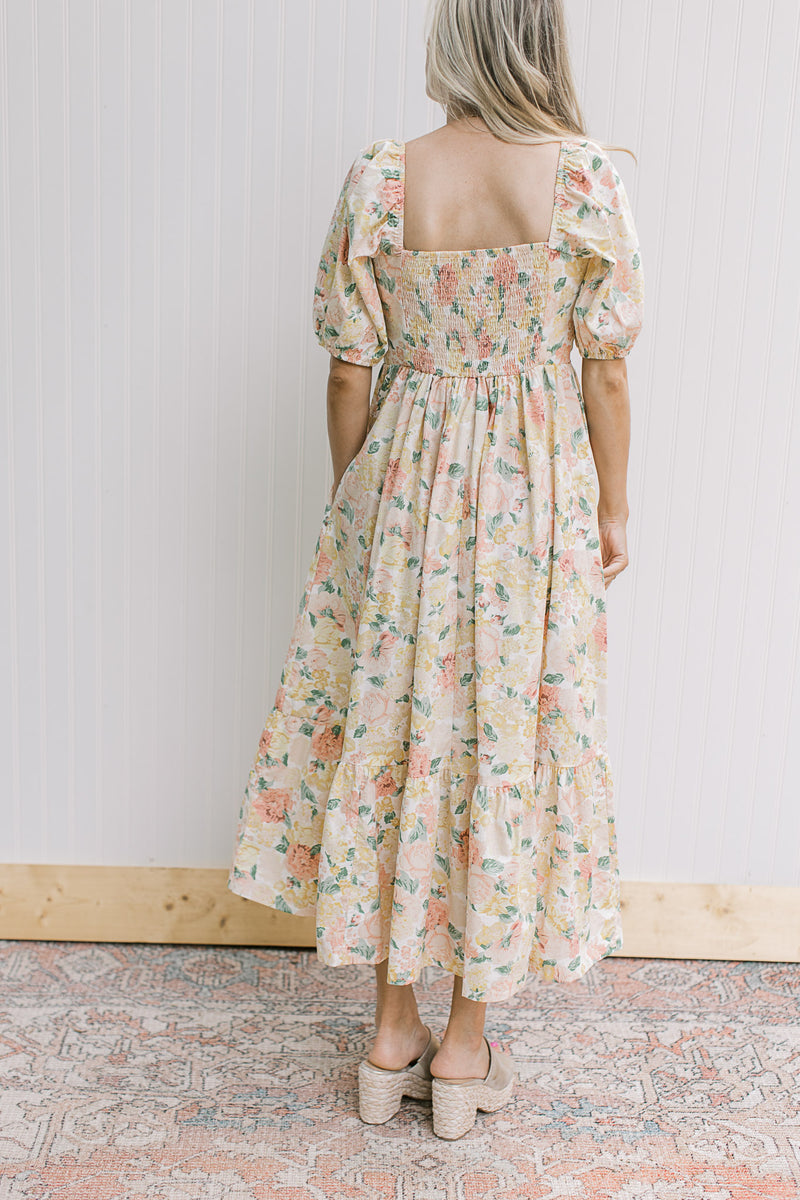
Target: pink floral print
[{"x": 433, "y": 781}]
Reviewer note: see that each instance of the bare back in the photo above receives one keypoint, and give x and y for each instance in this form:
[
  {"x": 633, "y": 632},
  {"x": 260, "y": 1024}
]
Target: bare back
[{"x": 465, "y": 189}]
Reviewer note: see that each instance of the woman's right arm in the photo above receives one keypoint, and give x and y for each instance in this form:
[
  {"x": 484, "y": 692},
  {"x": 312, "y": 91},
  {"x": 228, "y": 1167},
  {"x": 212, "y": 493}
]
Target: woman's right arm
[
  {"x": 349, "y": 388},
  {"x": 604, "y": 384}
]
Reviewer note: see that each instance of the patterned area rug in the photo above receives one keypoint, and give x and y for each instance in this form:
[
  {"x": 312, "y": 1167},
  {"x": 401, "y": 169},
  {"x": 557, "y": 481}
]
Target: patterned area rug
[{"x": 185, "y": 1073}]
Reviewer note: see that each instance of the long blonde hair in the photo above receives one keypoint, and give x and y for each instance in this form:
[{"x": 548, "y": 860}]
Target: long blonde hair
[{"x": 507, "y": 62}]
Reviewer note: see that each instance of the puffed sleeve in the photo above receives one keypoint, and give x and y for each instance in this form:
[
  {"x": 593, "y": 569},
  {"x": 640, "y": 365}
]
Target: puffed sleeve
[
  {"x": 348, "y": 314},
  {"x": 609, "y": 307}
]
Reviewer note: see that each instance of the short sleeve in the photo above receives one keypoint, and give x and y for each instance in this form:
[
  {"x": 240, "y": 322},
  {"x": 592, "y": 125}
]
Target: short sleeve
[
  {"x": 348, "y": 314},
  {"x": 609, "y": 307}
]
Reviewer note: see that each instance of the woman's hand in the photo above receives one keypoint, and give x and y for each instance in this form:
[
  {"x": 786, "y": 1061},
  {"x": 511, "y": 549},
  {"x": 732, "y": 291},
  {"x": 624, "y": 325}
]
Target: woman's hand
[{"x": 613, "y": 548}]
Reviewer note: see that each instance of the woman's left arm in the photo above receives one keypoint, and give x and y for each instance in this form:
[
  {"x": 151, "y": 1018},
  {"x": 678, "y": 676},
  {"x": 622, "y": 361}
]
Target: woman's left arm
[{"x": 349, "y": 390}]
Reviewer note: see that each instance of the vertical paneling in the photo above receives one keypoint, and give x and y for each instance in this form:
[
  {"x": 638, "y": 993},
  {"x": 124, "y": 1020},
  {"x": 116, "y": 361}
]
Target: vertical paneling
[
  {"x": 169, "y": 168},
  {"x": 10, "y": 733}
]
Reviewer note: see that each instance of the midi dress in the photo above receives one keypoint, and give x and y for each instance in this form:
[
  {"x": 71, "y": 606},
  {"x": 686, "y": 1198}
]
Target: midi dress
[{"x": 433, "y": 782}]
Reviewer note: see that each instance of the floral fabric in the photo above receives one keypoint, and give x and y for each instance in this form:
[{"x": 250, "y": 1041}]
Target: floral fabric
[{"x": 433, "y": 780}]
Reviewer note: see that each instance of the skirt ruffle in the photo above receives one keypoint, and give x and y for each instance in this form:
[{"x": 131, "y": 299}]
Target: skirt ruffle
[{"x": 519, "y": 877}]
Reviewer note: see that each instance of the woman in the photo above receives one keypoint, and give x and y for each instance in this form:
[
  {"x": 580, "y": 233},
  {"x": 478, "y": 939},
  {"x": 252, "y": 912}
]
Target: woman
[{"x": 433, "y": 781}]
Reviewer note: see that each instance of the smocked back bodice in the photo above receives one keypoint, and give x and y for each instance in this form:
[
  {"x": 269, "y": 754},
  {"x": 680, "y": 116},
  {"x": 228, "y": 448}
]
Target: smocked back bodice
[
  {"x": 471, "y": 312},
  {"x": 496, "y": 311}
]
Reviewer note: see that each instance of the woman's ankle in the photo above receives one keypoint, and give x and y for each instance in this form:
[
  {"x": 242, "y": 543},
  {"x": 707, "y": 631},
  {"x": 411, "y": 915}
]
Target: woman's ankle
[
  {"x": 395, "y": 1045},
  {"x": 400, "y": 1027},
  {"x": 463, "y": 1041},
  {"x": 462, "y": 1059}
]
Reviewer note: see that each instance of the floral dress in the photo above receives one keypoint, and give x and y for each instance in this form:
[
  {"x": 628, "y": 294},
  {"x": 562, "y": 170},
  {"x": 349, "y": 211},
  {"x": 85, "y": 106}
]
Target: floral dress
[{"x": 433, "y": 781}]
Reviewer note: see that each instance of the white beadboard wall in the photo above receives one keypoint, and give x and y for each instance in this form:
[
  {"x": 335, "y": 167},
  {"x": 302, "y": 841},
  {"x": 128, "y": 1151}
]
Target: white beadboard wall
[{"x": 167, "y": 172}]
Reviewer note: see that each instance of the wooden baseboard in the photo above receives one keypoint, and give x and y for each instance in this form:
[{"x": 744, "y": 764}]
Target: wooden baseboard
[{"x": 193, "y": 906}]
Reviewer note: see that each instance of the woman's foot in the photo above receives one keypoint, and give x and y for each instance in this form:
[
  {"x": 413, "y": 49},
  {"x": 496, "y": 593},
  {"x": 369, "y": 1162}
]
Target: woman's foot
[
  {"x": 398, "y": 1046},
  {"x": 461, "y": 1059}
]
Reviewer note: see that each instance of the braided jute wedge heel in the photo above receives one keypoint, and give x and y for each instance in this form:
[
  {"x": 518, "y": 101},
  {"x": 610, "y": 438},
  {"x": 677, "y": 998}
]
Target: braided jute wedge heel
[
  {"x": 456, "y": 1101},
  {"x": 381, "y": 1090}
]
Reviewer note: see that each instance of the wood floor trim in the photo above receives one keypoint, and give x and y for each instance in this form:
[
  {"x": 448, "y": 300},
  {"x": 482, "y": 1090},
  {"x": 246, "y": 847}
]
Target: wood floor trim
[{"x": 193, "y": 906}]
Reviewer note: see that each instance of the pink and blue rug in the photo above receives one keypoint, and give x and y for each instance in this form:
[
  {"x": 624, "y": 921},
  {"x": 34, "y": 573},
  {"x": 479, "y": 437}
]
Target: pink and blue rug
[{"x": 190, "y": 1073}]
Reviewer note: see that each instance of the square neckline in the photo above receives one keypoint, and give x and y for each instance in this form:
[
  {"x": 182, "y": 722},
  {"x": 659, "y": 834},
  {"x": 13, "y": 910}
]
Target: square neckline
[{"x": 404, "y": 250}]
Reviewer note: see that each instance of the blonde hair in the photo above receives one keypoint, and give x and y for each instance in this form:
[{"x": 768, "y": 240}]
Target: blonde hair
[{"x": 507, "y": 62}]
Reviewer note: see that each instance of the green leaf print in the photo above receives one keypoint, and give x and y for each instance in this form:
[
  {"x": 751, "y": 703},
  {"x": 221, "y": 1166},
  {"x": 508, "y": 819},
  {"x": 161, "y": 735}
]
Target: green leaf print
[
  {"x": 404, "y": 881},
  {"x": 359, "y": 731},
  {"x": 554, "y": 678},
  {"x": 442, "y": 862},
  {"x": 455, "y": 470},
  {"x": 466, "y": 678},
  {"x": 501, "y": 591},
  {"x": 329, "y": 887},
  {"x": 417, "y": 832},
  {"x": 603, "y": 862},
  {"x": 597, "y": 162},
  {"x": 281, "y": 904},
  {"x": 559, "y": 283},
  {"x": 490, "y": 733},
  {"x": 422, "y": 704},
  {"x": 505, "y": 469},
  {"x": 511, "y": 631},
  {"x": 362, "y": 947}
]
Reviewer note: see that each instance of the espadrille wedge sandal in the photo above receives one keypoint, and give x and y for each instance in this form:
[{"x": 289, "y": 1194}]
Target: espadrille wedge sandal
[
  {"x": 381, "y": 1090},
  {"x": 456, "y": 1101}
]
